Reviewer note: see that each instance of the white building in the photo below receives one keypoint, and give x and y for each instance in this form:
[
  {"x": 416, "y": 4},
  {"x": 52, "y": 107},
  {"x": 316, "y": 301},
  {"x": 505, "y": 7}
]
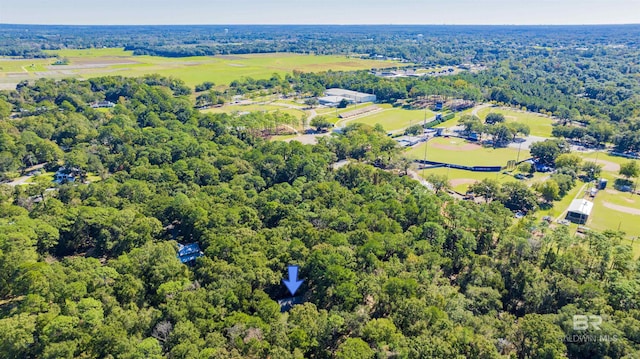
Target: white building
[
  {"x": 333, "y": 101},
  {"x": 358, "y": 97},
  {"x": 579, "y": 211}
]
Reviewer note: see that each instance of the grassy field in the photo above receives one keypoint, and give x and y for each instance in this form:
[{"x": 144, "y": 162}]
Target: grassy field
[
  {"x": 539, "y": 125},
  {"x": 392, "y": 119},
  {"x": 221, "y": 70},
  {"x": 457, "y": 151},
  {"x": 465, "y": 177},
  {"x": 603, "y": 217}
]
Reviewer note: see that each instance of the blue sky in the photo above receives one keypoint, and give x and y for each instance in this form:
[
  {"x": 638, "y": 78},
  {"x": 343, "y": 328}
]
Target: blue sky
[{"x": 320, "y": 11}]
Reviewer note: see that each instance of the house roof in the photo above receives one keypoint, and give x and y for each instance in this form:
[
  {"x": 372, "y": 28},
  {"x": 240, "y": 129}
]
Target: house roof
[
  {"x": 581, "y": 206},
  {"x": 189, "y": 252}
]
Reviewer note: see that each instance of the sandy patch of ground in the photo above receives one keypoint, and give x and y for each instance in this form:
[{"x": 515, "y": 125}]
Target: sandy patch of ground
[
  {"x": 231, "y": 57},
  {"x": 460, "y": 181},
  {"x": 307, "y": 139},
  {"x": 624, "y": 209},
  {"x": 606, "y": 165},
  {"x": 465, "y": 147}
]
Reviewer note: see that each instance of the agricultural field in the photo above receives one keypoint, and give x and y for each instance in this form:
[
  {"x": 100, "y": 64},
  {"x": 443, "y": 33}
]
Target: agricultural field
[
  {"x": 461, "y": 152},
  {"x": 540, "y": 125},
  {"x": 221, "y": 70}
]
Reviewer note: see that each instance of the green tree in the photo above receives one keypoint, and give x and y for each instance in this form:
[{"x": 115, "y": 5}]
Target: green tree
[
  {"x": 17, "y": 337},
  {"x": 501, "y": 133},
  {"x": 525, "y": 167},
  {"x": 591, "y": 170},
  {"x": 629, "y": 169},
  {"x": 311, "y": 102},
  {"x": 493, "y": 118},
  {"x": 547, "y": 151},
  {"x": 5, "y": 109},
  {"x": 549, "y": 190},
  {"x": 488, "y": 188},
  {"x": 517, "y": 196},
  {"x": 413, "y": 130},
  {"x": 439, "y": 182},
  {"x": 538, "y": 337},
  {"x": 354, "y": 348},
  {"x": 568, "y": 161},
  {"x": 471, "y": 124},
  {"x": 321, "y": 123}
]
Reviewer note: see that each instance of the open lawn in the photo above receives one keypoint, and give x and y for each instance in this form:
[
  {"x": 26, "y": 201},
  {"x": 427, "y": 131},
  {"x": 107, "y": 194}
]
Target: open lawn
[
  {"x": 539, "y": 125},
  {"x": 221, "y": 70},
  {"x": 461, "y": 179},
  {"x": 392, "y": 119},
  {"x": 604, "y": 217},
  {"x": 458, "y": 151}
]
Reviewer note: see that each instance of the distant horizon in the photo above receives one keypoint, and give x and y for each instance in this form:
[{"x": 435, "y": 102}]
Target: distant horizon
[
  {"x": 327, "y": 12},
  {"x": 323, "y": 24}
]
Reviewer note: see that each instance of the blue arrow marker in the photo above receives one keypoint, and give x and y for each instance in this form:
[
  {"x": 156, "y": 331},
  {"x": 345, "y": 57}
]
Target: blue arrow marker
[{"x": 293, "y": 283}]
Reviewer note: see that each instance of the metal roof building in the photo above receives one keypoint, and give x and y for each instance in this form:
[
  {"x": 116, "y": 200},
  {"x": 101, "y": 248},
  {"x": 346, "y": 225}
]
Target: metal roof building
[
  {"x": 579, "y": 211},
  {"x": 356, "y": 96},
  {"x": 333, "y": 101}
]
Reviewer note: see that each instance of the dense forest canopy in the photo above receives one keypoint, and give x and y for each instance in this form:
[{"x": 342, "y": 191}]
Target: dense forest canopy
[{"x": 390, "y": 268}]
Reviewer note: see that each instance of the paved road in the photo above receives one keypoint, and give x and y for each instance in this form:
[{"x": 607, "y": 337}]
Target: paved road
[
  {"x": 475, "y": 110},
  {"x": 525, "y": 143},
  {"x": 22, "y": 180},
  {"x": 308, "y": 139}
]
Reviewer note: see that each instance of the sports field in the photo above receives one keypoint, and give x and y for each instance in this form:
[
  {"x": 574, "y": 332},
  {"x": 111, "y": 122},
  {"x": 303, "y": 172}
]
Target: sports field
[
  {"x": 392, "y": 119},
  {"x": 461, "y": 152},
  {"x": 539, "y": 125},
  {"x": 221, "y": 70},
  {"x": 460, "y": 180}
]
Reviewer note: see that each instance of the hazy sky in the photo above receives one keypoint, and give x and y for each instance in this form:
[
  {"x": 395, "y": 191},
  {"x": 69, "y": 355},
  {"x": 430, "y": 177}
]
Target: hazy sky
[{"x": 320, "y": 11}]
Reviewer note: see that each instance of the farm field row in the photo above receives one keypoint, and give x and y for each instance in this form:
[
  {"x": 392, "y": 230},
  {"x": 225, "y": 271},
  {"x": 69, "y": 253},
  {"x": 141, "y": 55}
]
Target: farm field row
[{"x": 221, "y": 70}]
